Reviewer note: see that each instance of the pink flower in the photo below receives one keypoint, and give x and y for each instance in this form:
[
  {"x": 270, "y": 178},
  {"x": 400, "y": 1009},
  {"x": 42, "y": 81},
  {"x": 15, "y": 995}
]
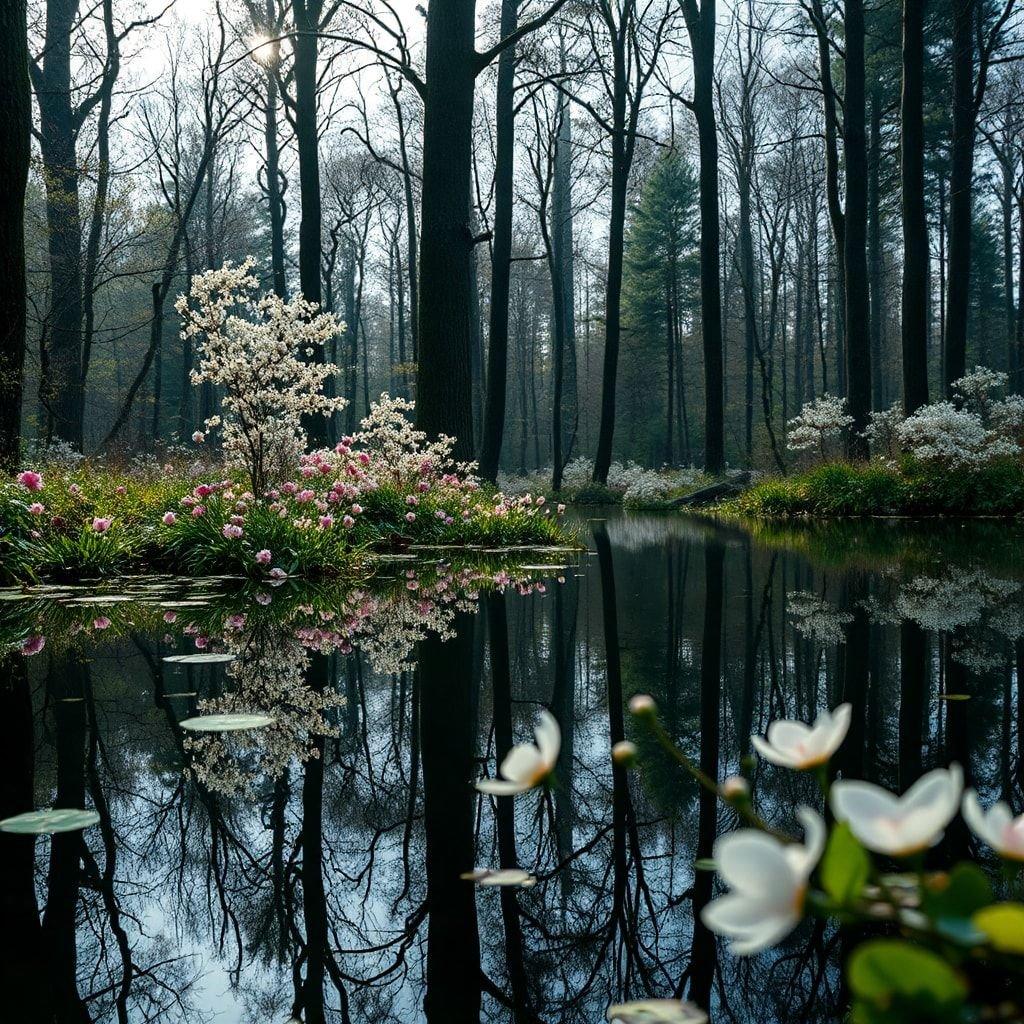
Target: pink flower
[
  {"x": 231, "y": 531},
  {"x": 423, "y": 486},
  {"x": 101, "y": 525},
  {"x": 411, "y": 499},
  {"x": 36, "y": 508},
  {"x": 561, "y": 510},
  {"x": 237, "y": 521},
  {"x": 203, "y": 490},
  {"x": 326, "y": 522},
  {"x": 304, "y": 496},
  {"x": 199, "y": 437},
  {"x": 170, "y": 519},
  {"x": 308, "y": 471},
  {"x": 236, "y": 622},
  {"x": 198, "y": 511},
  {"x": 348, "y": 522},
  {"x": 277, "y": 573},
  {"x": 30, "y": 480},
  {"x": 101, "y": 623},
  {"x": 410, "y": 517},
  {"x": 121, "y": 490},
  {"x": 289, "y": 488},
  {"x": 263, "y": 599},
  {"x": 74, "y": 490},
  {"x": 263, "y": 557},
  {"x": 170, "y": 617},
  {"x": 202, "y": 641},
  {"x": 364, "y": 458},
  {"x": 33, "y": 645},
  {"x": 357, "y": 509}
]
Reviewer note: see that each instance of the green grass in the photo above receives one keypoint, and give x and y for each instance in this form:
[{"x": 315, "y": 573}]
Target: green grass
[{"x": 910, "y": 489}]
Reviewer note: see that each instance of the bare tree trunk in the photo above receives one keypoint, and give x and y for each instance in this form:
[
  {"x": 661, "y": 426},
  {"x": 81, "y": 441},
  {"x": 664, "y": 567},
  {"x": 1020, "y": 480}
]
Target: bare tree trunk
[
  {"x": 914, "y": 311},
  {"x": 960, "y": 193},
  {"x": 501, "y": 253},
  {"x": 58, "y": 132},
  {"x": 15, "y": 129},
  {"x": 443, "y": 398},
  {"x": 856, "y": 333},
  {"x": 701, "y": 26}
]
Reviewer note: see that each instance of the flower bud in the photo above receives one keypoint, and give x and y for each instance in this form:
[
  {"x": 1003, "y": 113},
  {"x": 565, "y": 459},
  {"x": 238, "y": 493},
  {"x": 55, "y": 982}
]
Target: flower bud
[
  {"x": 642, "y": 704},
  {"x": 735, "y": 787},
  {"x": 624, "y": 754}
]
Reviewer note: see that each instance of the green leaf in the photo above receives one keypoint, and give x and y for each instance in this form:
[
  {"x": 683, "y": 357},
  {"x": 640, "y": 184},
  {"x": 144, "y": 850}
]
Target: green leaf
[
  {"x": 705, "y": 864},
  {"x": 845, "y": 866},
  {"x": 966, "y": 890},
  {"x": 887, "y": 972},
  {"x": 1003, "y": 925}
]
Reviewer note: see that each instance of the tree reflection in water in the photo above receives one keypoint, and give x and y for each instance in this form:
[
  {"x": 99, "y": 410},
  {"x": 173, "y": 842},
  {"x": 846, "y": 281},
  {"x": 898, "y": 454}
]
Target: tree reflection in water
[{"x": 311, "y": 869}]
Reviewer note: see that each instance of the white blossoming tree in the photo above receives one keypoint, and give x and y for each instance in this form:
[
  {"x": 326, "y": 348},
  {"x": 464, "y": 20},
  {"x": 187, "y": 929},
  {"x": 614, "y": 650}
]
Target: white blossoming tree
[
  {"x": 818, "y": 422},
  {"x": 260, "y": 350}
]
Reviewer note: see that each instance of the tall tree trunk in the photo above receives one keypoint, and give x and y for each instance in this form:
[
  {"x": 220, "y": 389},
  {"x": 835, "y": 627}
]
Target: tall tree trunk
[
  {"x": 621, "y": 157},
  {"x": 443, "y": 399},
  {"x": 856, "y": 334},
  {"x": 960, "y": 193},
  {"x": 304, "y": 48},
  {"x": 58, "y": 132},
  {"x": 701, "y": 26},
  {"x": 564, "y": 382},
  {"x": 914, "y": 303},
  {"x": 501, "y": 253},
  {"x": 875, "y": 255},
  {"x": 272, "y": 186},
  {"x": 15, "y": 130}
]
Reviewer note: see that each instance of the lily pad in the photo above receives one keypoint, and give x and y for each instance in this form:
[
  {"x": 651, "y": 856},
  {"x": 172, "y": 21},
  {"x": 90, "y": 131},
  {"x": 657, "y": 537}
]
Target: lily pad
[
  {"x": 48, "y": 821},
  {"x": 199, "y": 659},
  {"x": 227, "y": 723}
]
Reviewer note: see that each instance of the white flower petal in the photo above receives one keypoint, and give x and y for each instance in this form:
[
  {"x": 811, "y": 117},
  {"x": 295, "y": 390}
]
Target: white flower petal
[
  {"x": 523, "y": 763},
  {"x": 501, "y": 787},
  {"x": 549, "y": 737},
  {"x": 753, "y": 863}
]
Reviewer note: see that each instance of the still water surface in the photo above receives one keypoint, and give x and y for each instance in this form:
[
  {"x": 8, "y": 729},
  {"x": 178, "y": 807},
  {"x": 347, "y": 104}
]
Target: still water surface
[{"x": 311, "y": 869}]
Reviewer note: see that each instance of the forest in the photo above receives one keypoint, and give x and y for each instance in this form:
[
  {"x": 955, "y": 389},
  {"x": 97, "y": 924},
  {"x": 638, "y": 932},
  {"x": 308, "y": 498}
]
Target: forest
[
  {"x": 630, "y": 231},
  {"x": 512, "y": 511}
]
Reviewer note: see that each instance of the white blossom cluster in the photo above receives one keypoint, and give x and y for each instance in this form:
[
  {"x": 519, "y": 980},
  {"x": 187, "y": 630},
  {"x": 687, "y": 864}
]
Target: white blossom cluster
[
  {"x": 967, "y": 433},
  {"x": 261, "y": 351},
  {"x": 816, "y": 619},
  {"x": 400, "y": 452},
  {"x": 818, "y": 422}
]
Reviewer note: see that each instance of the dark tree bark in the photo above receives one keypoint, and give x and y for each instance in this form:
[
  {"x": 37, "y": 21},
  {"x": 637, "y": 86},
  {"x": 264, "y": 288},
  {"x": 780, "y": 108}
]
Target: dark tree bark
[
  {"x": 700, "y": 23},
  {"x": 836, "y": 215},
  {"x": 15, "y": 129},
  {"x": 58, "y": 133},
  {"x": 857, "y": 329},
  {"x": 307, "y": 14},
  {"x": 876, "y": 269},
  {"x": 960, "y": 193},
  {"x": 914, "y": 302},
  {"x": 443, "y": 392},
  {"x": 501, "y": 252}
]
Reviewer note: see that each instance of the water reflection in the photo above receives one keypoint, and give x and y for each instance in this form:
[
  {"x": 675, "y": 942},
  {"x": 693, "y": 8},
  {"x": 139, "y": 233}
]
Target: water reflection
[{"x": 311, "y": 869}]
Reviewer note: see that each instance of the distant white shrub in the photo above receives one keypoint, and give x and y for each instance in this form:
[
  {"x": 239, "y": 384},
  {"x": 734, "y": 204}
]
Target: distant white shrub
[
  {"x": 818, "y": 422},
  {"x": 942, "y": 433}
]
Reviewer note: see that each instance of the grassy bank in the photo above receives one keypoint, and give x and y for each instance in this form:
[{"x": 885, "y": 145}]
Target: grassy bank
[
  {"x": 92, "y": 521},
  {"x": 907, "y": 488}
]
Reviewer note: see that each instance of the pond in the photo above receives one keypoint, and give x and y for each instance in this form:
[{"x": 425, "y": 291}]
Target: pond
[{"x": 310, "y": 868}]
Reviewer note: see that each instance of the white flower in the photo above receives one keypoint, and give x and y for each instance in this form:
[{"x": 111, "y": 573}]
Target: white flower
[
  {"x": 527, "y": 765},
  {"x": 899, "y": 826},
  {"x": 996, "y": 827},
  {"x": 768, "y": 879},
  {"x": 656, "y": 1011},
  {"x": 795, "y": 745}
]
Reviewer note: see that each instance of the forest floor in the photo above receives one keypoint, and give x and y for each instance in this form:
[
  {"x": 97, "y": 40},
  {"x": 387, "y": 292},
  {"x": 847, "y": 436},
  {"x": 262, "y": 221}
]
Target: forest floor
[{"x": 89, "y": 521}]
